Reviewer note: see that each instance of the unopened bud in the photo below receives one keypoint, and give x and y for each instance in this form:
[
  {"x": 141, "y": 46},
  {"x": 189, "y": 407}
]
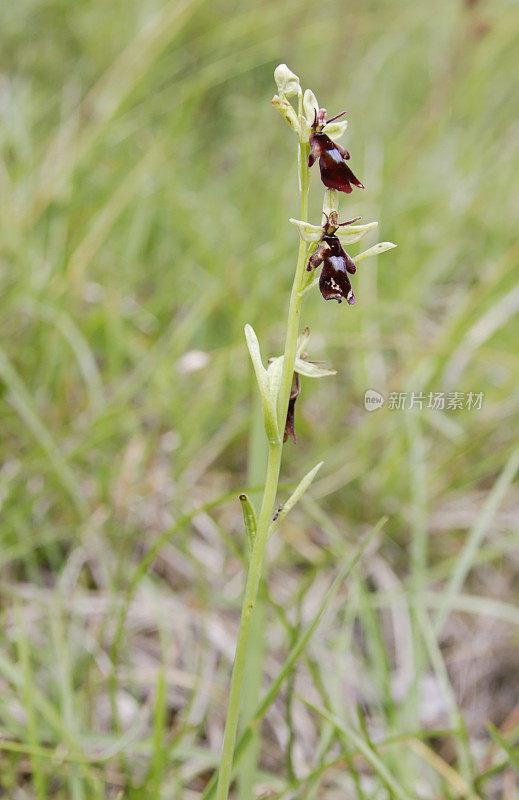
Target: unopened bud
[{"x": 286, "y": 81}]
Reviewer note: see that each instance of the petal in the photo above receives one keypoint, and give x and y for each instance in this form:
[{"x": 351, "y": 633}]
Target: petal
[
  {"x": 315, "y": 149},
  {"x": 316, "y": 259},
  {"x": 350, "y": 264}
]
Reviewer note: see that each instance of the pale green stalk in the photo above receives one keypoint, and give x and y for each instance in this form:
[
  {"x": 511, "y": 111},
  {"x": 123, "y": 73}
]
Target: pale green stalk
[{"x": 267, "y": 505}]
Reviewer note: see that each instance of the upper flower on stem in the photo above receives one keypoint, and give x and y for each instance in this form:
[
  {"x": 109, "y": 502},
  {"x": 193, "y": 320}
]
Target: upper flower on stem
[
  {"x": 332, "y": 128},
  {"x": 335, "y": 173}
]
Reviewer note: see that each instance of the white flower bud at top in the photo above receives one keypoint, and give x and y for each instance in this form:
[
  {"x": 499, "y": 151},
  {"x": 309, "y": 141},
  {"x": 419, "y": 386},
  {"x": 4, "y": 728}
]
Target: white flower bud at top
[
  {"x": 310, "y": 105},
  {"x": 286, "y": 81}
]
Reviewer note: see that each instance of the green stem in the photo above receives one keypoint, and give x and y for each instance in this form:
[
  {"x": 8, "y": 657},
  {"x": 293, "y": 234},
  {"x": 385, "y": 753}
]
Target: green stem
[
  {"x": 294, "y": 309},
  {"x": 267, "y": 506}
]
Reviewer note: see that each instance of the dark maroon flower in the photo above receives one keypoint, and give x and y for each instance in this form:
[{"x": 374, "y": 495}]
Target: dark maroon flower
[
  {"x": 335, "y": 173},
  {"x": 294, "y": 394},
  {"x": 334, "y": 282}
]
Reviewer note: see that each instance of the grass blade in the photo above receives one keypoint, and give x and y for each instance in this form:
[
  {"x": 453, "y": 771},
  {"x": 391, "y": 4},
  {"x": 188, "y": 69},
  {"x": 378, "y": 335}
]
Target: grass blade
[
  {"x": 293, "y": 656},
  {"x": 474, "y": 539}
]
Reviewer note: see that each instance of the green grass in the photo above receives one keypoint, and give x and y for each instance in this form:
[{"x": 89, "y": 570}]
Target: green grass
[{"x": 145, "y": 189}]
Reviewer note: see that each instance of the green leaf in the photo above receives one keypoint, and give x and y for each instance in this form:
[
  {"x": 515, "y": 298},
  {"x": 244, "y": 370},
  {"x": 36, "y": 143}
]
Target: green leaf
[
  {"x": 249, "y": 519},
  {"x": 268, "y": 402},
  {"x": 298, "y": 648},
  {"x": 363, "y": 747},
  {"x": 298, "y": 492}
]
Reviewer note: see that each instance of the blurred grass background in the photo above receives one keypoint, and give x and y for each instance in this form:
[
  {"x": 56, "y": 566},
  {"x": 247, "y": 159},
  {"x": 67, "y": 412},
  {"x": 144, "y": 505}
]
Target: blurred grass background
[{"x": 145, "y": 188}]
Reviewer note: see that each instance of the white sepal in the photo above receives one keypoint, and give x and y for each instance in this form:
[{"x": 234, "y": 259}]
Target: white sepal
[
  {"x": 310, "y": 105},
  {"x": 336, "y": 129},
  {"x": 296, "y": 495},
  {"x": 350, "y": 232},
  {"x": 307, "y": 232},
  {"x": 310, "y": 370},
  {"x": 381, "y": 247}
]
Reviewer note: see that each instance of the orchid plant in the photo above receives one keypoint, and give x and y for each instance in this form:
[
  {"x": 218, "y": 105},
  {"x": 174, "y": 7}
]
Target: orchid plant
[{"x": 279, "y": 381}]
